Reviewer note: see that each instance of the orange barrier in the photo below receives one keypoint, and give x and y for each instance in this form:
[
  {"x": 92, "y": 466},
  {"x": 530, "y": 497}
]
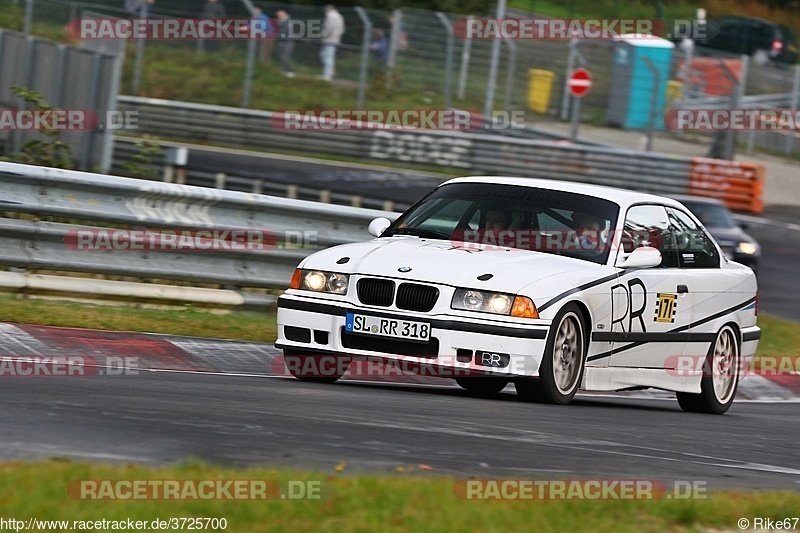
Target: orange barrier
[
  {"x": 709, "y": 73},
  {"x": 739, "y": 185}
]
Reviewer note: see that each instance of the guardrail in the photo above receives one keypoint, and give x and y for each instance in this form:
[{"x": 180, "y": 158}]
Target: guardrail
[
  {"x": 290, "y": 229},
  {"x": 471, "y": 153}
]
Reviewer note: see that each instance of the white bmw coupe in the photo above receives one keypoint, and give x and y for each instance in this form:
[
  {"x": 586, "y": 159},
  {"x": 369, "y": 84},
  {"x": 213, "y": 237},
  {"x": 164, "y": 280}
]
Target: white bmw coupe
[{"x": 552, "y": 286}]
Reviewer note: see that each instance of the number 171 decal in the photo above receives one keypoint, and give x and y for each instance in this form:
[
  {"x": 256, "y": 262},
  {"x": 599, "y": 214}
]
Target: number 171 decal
[{"x": 666, "y": 307}]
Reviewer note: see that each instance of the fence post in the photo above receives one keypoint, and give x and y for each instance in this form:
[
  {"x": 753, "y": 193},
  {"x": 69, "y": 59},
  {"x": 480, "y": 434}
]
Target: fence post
[
  {"x": 362, "y": 78},
  {"x": 137, "y": 67},
  {"x": 248, "y": 72},
  {"x": 738, "y": 93},
  {"x": 466, "y": 51},
  {"x": 789, "y": 146},
  {"x": 565, "y": 101},
  {"x": 392, "y": 59},
  {"x": 492, "y": 82},
  {"x": 651, "y": 120},
  {"x": 448, "y": 60},
  {"x": 26, "y": 24},
  {"x": 512, "y": 64}
]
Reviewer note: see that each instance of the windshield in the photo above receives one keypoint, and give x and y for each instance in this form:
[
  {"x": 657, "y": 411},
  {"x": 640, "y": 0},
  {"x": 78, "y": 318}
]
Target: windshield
[
  {"x": 511, "y": 216},
  {"x": 712, "y": 215}
]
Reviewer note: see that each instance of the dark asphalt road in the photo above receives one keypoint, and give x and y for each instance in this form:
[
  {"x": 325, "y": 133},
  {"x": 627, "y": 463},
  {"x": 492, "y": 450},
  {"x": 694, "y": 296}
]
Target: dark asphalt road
[
  {"x": 166, "y": 417},
  {"x": 777, "y": 230}
]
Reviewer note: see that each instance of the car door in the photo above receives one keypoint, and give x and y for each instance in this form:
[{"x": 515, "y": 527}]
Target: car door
[
  {"x": 649, "y": 322},
  {"x": 709, "y": 290}
]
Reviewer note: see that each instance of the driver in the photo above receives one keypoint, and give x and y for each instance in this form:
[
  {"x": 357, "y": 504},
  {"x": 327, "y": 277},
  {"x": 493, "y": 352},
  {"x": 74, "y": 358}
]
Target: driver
[{"x": 589, "y": 228}]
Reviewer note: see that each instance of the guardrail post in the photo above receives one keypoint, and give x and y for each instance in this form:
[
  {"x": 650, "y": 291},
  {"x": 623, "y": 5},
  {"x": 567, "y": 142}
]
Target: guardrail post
[
  {"x": 356, "y": 201},
  {"x": 492, "y": 81},
  {"x": 388, "y": 205},
  {"x": 258, "y": 186},
  {"x": 292, "y": 192},
  {"x": 448, "y": 60},
  {"x": 325, "y": 196},
  {"x": 789, "y": 146},
  {"x": 362, "y": 78},
  {"x": 219, "y": 180}
]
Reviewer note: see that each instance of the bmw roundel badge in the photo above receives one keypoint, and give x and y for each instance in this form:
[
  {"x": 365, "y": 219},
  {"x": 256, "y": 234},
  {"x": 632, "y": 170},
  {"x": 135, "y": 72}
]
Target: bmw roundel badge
[{"x": 404, "y": 269}]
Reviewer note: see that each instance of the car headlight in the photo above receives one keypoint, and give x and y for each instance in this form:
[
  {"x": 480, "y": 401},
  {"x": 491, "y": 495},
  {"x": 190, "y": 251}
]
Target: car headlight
[
  {"x": 320, "y": 281},
  {"x": 496, "y": 303},
  {"x": 747, "y": 248}
]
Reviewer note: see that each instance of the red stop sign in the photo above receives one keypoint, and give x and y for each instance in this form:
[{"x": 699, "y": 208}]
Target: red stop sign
[{"x": 580, "y": 82}]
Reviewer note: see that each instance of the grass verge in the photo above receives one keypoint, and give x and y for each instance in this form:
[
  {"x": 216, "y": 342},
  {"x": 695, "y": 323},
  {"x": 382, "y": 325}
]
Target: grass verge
[
  {"x": 192, "y": 322},
  {"x": 395, "y": 502}
]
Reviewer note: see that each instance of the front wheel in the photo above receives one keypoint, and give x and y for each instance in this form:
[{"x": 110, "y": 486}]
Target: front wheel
[
  {"x": 561, "y": 369},
  {"x": 720, "y": 377},
  {"x": 315, "y": 368}
]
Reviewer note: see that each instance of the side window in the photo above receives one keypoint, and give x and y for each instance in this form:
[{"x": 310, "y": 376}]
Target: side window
[
  {"x": 695, "y": 248},
  {"x": 648, "y": 225}
]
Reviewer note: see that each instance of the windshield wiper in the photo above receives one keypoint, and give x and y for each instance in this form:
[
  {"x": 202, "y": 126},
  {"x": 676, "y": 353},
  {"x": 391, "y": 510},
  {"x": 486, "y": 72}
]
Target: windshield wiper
[{"x": 419, "y": 232}]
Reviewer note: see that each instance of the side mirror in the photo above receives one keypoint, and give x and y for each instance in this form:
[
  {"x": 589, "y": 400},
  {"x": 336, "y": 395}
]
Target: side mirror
[
  {"x": 378, "y": 226},
  {"x": 644, "y": 257}
]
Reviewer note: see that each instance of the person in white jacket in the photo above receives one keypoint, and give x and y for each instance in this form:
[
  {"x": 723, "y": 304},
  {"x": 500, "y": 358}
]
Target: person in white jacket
[{"x": 332, "y": 30}]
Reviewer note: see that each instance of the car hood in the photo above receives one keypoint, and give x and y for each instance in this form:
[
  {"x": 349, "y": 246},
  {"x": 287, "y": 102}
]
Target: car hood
[{"x": 436, "y": 261}]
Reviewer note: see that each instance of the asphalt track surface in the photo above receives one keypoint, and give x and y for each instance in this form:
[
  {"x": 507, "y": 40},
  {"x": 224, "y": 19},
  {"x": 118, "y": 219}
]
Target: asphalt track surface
[{"x": 163, "y": 417}]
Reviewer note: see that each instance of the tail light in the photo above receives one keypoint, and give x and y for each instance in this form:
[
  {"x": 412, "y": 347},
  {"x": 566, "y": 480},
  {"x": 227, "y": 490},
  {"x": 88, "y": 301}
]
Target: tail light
[{"x": 777, "y": 45}]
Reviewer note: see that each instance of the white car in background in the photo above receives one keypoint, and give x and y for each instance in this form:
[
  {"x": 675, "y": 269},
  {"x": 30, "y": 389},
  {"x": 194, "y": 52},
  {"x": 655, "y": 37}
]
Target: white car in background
[{"x": 552, "y": 286}]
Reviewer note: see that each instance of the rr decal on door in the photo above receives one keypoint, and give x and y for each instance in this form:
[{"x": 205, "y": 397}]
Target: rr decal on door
[{"x": 635, "y": 293}]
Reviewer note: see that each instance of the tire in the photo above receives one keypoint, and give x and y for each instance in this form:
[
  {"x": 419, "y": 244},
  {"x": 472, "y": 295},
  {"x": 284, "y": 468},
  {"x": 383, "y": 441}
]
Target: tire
[
  {"x": 720, "y": 377},
  {"x": 561, "y": 369},
  {"x": 482, "y": 386},
  {"x": 315, "y": 368}
]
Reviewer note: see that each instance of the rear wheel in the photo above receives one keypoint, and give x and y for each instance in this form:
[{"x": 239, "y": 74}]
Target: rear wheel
[
  {"x": 561, "y": 369},
  {"x": 315, "y": 368},
  {"x": 720, "y": 377},
  {"x": 483, "y": 386}
]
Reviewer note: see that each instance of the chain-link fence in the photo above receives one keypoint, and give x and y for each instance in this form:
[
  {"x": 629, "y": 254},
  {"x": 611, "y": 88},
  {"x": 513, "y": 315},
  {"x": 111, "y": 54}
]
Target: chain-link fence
[{"x": 413, "y": 58}]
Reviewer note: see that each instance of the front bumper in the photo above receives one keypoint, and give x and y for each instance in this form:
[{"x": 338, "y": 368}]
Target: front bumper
[{"x": 316, "y": 326}]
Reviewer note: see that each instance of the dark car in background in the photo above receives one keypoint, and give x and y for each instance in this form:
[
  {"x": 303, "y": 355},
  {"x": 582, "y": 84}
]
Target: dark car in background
[
  {"x": 752, "y": 36},
  {"x": 735, "y": 243}
]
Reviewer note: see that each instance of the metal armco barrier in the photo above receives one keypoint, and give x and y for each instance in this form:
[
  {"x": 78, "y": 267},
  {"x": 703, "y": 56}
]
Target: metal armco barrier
[
  {"x": 298, "y": 227},
  {"x": 470, "y": 153}
]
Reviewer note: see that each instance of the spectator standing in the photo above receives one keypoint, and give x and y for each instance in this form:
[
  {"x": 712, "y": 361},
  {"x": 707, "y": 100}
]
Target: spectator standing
[
  {"x": 379, "y": 45},
  {"x": 285, "y": 43},
  {"x": 213, "y": 9},
  {"x": 332, "y": 30},
  {"x": 262, "y": 22}
]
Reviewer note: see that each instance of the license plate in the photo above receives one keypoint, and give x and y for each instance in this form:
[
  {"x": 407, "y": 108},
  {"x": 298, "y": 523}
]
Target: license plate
[{"x": 387, "y": 327}]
